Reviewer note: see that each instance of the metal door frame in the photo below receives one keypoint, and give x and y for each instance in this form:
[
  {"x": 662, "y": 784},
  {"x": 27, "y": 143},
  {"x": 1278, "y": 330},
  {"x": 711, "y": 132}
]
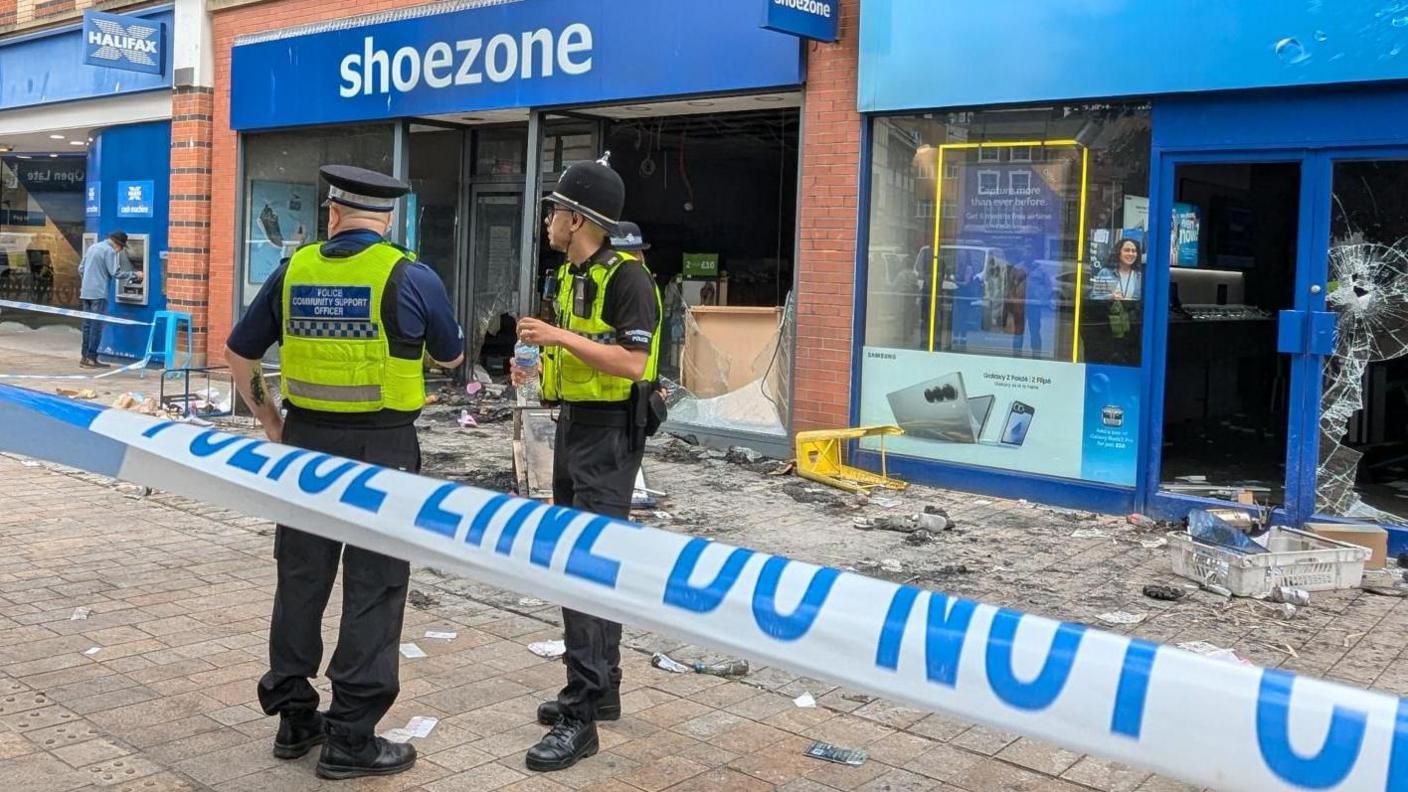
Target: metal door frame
[{"x": 1302, "y": 405}]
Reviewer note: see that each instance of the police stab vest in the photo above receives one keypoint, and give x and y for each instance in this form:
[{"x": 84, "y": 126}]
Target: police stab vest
[
  {"x": 565, "y": 376},
  {"x": 336, "y": 355}
]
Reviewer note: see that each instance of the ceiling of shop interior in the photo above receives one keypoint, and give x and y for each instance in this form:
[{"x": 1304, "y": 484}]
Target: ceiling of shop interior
[
  {"x": 697, "y": 106},
  {"x": 42, "y": 143}
]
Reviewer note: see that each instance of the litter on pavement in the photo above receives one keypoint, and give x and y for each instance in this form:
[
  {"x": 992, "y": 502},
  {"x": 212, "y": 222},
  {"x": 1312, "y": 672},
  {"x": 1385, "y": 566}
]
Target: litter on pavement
[{"x": 548, "y": 649}]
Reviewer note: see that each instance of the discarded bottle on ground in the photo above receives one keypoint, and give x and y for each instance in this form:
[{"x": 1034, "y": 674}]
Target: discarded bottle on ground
[
  {"x": 1211, "y": 529},
  {"x": 727, "y": 668},
  {"x": 1291, "y": 596},
  {"x": 664, "y": 662},
  {"x": 526, "y": 356}
]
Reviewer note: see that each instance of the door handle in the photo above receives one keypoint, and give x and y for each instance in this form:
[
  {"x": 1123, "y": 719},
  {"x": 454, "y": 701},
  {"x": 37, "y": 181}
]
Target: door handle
[
  {"x": 1290, "y": 332},
  {"x": 1323, "y": 329},
  {"x": 1306, "y": 332}
]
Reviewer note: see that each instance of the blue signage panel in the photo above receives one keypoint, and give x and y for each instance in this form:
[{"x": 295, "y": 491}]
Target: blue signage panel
[
  {"x": 532, "y": 53},
  {"x": 135, "y": 198},
  {"x": 917, "y": 54},
  {"x": 812, "y": 19},
  {"x": 124, "y": 42},
  {"x": 93, "y": 199},
  {"x": 52, "y": 68}
]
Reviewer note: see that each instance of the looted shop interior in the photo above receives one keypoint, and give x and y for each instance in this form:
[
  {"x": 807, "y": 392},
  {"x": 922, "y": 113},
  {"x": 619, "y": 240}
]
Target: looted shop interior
[{"x": 714, "y": 194}]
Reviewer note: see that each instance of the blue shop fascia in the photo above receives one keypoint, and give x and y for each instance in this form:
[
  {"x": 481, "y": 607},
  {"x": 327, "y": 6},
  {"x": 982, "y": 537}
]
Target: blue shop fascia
[
  {"x": 85, "y": 140},
  {"x": 1138, "y": 260}
]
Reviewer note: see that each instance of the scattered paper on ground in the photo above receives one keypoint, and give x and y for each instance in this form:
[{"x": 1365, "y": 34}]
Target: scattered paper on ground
[
  {"x": 412, "y": 652},
  {"x": 1122, "y": 617},
  {"x": 531, "y": 602},
  {"x": 1153, "y": 544},
  {"x": 1216, "y": 652},
  {"x": 1087, "y": 533},
  {"x": 548, "y": 649},
  {"x": 421, "y": 725},
  {"x": 441, "y": 635},
  {"x": 79, "y": 614},
  {"x": 805, "y": 700},
  {"x": 397, "y": 735},
  {"x": 93, "y": 651}
]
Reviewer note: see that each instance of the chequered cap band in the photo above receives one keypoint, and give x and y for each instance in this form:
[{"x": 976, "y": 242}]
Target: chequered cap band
[{"x": 359, "y": 201}]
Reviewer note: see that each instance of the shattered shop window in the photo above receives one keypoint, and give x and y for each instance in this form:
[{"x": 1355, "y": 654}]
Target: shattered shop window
[
  {"x": 1002, "y": 324},
  {"x": 1363, "y": 450}
]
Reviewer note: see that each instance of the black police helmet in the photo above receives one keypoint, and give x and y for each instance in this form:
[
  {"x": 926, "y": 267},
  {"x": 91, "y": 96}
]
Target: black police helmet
[{"x": 593, "y": 190}]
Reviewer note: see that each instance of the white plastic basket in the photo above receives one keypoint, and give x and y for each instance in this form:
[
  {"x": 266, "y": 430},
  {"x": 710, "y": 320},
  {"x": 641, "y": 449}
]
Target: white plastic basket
[{"x": 1296, "y": 559}]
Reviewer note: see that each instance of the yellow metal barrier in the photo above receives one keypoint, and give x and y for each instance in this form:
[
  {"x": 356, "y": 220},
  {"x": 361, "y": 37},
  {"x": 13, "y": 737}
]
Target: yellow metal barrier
[{"x": 821, "y": 456}]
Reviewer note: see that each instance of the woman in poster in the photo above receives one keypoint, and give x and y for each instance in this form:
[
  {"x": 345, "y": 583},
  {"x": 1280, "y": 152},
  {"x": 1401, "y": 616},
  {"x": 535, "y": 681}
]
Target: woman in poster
[{"x": 1117, "y": 293}]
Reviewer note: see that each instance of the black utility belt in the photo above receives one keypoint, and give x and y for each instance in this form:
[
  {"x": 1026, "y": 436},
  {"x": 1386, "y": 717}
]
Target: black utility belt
[{"x": 609, "y": 414}]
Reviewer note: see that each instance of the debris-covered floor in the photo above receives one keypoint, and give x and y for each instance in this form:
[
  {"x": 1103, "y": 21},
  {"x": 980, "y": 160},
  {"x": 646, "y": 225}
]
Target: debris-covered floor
[{"x": 1064, "y": 564}]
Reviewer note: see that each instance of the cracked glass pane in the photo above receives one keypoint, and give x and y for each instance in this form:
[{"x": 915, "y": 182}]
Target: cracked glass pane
[{"x": 1363, "y": 461}]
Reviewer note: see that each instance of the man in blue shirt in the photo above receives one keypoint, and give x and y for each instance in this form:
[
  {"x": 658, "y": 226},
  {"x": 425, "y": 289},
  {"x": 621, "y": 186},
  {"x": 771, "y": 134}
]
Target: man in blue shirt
[
  {"x": 416, "y": 320},
  {"x": 101, "y": 264}
]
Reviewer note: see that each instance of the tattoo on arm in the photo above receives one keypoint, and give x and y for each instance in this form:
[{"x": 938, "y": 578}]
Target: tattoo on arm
[{"x": 256, "y": 388}]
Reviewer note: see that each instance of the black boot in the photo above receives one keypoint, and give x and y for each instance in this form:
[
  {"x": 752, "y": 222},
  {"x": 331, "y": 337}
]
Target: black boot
[
  {"x": 354, "y": 757},
  {"x": 608, "y": 708},
  {"x": 299, "y": 731},
  {"x": 569, "y": 740}
]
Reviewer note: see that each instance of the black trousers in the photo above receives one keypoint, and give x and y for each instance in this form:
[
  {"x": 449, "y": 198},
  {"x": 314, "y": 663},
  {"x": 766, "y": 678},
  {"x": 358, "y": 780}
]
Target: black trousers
[
  {"x": 366, "y": 663},
  {"x": 593, "y": 470}
]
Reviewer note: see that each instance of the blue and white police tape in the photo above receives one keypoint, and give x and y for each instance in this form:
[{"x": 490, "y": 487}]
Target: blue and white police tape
[
  {"x": 1203, "y": 721},
  {"x": 49, "y": 309},
  {"x": 136, "y": 364}
]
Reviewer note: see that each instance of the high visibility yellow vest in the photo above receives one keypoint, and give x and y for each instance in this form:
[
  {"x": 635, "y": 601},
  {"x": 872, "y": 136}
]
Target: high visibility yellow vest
[
  {"x": 565, "y": 376},
  {"x": 336, "y": 355}
]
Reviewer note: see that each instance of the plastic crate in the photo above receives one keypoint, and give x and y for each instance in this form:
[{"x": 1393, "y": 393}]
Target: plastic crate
[{"x": 1296, "y": 559}]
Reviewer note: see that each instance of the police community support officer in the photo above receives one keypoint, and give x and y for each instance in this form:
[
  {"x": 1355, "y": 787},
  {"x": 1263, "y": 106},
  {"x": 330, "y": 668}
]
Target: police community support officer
[
  {"x": 354, "y": 316},
  {"x": 603, "y": 344}
]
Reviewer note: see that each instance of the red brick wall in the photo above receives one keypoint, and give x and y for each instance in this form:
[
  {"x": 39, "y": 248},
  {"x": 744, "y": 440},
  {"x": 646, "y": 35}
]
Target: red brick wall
[
  {"x": 188, "y": 250},
  {"x": 228, "y": 25},
  {"x": 7, "y": 12},
  {"x": 826, "y": 255},
  {"x": 48, "y": 8}
]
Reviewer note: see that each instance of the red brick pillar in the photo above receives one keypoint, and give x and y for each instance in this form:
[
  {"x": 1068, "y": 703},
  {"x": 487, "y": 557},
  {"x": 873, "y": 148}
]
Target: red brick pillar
[
  {"x": 7, "y": 12},
  {"x": 826, "y": 254},
  {"x": 188, "y": 237}
]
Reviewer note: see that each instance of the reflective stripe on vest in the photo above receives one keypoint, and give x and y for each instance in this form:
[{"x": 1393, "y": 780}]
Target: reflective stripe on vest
[
  {"x": 568, "y": 378},
  {"x": 336, "y": 354}
]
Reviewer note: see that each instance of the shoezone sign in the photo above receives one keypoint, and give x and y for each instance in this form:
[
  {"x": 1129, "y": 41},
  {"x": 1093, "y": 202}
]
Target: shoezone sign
[{"x": 1203, "y": 721}]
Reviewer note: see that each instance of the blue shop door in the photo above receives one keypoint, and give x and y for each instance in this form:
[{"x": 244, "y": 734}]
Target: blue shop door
[
  {"x": 1357, "y": 326},
  {"x": 1285, "y": 365},
  {"x": 1325, "y": 264},
  {"x": 1236, "y": 371}
]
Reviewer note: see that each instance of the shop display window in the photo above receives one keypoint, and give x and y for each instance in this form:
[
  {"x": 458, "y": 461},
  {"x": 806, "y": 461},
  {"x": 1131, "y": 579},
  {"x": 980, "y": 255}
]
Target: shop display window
[
  {"x": 283, "y": 194},
  {"x": 1003, "y": 330}
]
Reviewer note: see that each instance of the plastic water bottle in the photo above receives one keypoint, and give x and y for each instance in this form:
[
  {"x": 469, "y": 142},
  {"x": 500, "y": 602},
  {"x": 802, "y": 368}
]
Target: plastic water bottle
[
  {"x": 727, "y": 668},
  {"x": 526, "y": 356}
]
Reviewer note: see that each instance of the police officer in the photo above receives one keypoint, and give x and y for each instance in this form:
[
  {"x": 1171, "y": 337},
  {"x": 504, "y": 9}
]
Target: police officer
[
  {"x": 354, "y": 317},
  {"x": 599, "y": 357},
  {"x": 627, "y": 238}
]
